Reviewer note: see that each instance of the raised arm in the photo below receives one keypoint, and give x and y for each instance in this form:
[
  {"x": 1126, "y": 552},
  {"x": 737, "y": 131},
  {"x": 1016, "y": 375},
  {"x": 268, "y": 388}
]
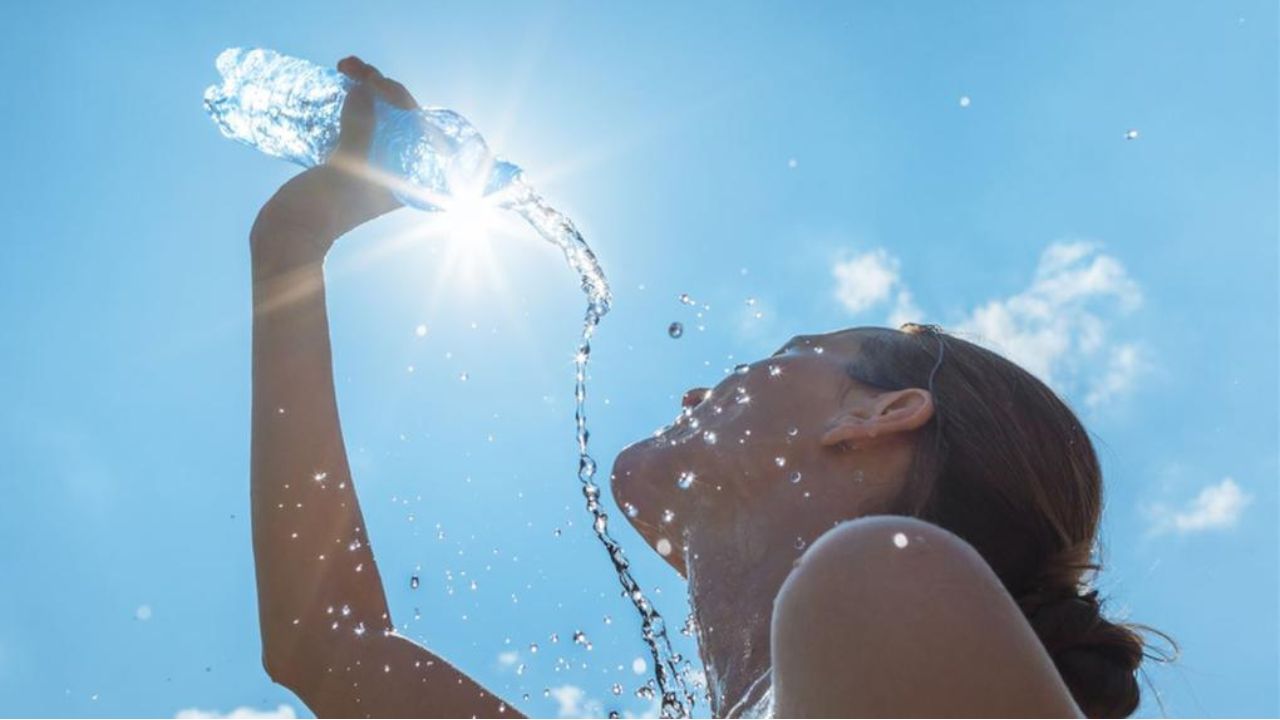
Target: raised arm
[{"x": 327, "y": 633}]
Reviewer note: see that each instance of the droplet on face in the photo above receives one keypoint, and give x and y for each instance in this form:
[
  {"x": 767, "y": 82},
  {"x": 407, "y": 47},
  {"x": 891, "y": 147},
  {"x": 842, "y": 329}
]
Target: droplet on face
[
  {"x": 900, "y": 540},
  {"x": 792, "y": 432},
  {"x": 359, "y": 629},
  {"x": 819, "y": 349},
  {"x": 675, "y": 330},
  {"x": 741, "y": 369},
  {"x": 668, "y": 515},
  {"x": 774, "y": 371},
  {"x": 780, "y": 461},
  {"x": 663, "y": 547},
  {"x": 630, "y": 510},
  {"x": 800, "y": 543},
  {"x": 320, "y": 476},
  {"x": 795, "y": 477},
  {"x": 346, "y": 610},
  {"x": 685, "y": 480},
  {"x": 709, "y": 437}
]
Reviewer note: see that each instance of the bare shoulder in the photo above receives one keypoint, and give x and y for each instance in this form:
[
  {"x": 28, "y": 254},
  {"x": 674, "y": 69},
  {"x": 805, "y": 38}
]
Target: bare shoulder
[{"x": 891, "y": 616}]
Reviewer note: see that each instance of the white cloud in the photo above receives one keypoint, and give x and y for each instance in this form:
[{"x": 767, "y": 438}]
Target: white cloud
[
  {"x": 1217, "y": 507},
  {"x": 574, "y": 703},
  {"x": 1058, "y": 328},
  {"x": 1124, "y": 367},
  {"x": 865, "y": 280},
  {"x": 871, "y": 279},
  {"x": 281, "y": 711}
]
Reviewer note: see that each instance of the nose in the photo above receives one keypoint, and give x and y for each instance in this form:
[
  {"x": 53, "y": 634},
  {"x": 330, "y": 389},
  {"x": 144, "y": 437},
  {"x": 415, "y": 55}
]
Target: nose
[{"x": 693, "y": 396}]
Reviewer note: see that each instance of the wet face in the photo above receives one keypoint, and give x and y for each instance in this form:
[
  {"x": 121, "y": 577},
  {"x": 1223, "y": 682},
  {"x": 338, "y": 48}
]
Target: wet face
[{"x": 749, "y": 453}]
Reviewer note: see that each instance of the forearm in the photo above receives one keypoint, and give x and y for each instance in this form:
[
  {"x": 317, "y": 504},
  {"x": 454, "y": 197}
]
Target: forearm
[{"x": 314, "y": 565}]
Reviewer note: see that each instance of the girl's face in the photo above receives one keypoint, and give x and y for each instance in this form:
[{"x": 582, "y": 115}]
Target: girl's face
[{"x": 749, "y": 452}]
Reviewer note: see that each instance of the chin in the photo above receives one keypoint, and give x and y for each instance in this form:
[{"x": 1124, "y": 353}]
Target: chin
[{"x": 635, "y": 481}]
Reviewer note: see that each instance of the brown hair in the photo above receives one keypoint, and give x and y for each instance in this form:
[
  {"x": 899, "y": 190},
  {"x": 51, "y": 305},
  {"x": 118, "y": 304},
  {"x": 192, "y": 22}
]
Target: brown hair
[{"x": 1006, "y": 465}]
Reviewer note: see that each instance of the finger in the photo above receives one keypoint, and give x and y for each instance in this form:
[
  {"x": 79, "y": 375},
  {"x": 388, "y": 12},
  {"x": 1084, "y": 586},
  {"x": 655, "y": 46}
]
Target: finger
[
  {"x": 355, "y": 68},
  {"x": 356, "y": 121},
  {"x": 394, "y": 92}
]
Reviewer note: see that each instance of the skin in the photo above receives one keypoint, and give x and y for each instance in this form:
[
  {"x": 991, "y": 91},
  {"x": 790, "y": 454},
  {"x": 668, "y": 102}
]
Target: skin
[{"x": 802, "y": 579}]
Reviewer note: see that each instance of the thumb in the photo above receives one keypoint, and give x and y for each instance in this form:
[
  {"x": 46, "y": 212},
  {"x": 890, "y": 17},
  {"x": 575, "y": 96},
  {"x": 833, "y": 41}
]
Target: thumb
[{"x": 356, "y": 123}]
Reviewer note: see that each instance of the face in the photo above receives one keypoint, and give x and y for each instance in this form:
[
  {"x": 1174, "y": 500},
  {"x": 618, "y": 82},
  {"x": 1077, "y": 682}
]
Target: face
[{"x": 746, "y": 460}]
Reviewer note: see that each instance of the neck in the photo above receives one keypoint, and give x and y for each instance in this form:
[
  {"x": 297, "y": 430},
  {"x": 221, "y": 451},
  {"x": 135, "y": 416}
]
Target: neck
[{"x": 732, "y": 587}]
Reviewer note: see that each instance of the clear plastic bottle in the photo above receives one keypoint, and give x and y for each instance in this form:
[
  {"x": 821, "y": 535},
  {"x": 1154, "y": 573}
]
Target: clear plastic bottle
[{"x": 291, "y": 108}]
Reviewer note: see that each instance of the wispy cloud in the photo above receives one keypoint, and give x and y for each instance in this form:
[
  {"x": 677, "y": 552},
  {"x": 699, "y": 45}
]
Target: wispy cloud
[
  {"x": 573, "y": 702},
  {"x": 871, "y": 279},
  {"x": 1216, "y": 507},
  {"x": 1060, "y": 327},
  {"x": 281, "y": 711},
  {"x": 1062, "y": 318}
]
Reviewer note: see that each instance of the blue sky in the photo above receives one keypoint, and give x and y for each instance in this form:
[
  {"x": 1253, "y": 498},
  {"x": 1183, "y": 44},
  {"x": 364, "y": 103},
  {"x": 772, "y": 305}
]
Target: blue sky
[{"x": 818, "y": 160}]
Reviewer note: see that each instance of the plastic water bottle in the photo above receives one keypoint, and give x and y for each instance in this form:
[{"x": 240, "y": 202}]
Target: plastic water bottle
[{"x": 291, "y": 108}]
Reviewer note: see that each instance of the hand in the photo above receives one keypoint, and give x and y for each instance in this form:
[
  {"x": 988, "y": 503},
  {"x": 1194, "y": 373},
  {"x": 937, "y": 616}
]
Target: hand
[{"x": 308, "y": 213}]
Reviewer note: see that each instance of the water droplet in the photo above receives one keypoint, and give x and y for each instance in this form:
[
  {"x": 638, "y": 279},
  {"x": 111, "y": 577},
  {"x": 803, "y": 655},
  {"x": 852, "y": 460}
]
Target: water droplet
[
  {"x": 800, "y": 543},
  {"x": 630, "y": 510},
  {"x": 668, "y": 515},
  {"x": 792, "y": 432},
  {"x": 686, "y": 300},
  {"x": 346, "y": 610},
  {"x": 685, "y": 480},
  {"x": 1131, "y": 135},
  {"x": 616, "y": 689},
  {"x": 580, "y": 638},
  {"x": 741, "y": 369},
  {"x": 413, "y": 582},
  {"x": 819, "y": 349},
  {"x": 780, "y": 461},
  {"x": 533, "y": 648},
  {"x": 464, "y": 376},
  {"x": 320, "y": 476},
  {"x": 965, "y": 101},
  {"x": 795, "y": 477},
  {"x": 774, "y": 371},
  {"x": 520, "y": 669},
  {"x": 644, "y": 692},
  {"x": 664, "y": 547},
  {"x": 420, "y": 331},
  {"x": 608, "y": 620},
  {"x": 359, "y": 629},
  {"x": 709, "y": 437},
  {"x": 675, "y": 329},
  {"x": 900, "y": 540},
  {"x": 555, "y": 533}
]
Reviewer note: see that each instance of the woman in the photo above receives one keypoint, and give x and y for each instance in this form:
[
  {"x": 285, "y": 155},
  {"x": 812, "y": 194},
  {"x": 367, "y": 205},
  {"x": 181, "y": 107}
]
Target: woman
[{"x": 874, "y": 522}]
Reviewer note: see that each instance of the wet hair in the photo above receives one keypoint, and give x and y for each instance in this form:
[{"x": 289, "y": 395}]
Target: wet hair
[{"x": 1005, "y": 464}]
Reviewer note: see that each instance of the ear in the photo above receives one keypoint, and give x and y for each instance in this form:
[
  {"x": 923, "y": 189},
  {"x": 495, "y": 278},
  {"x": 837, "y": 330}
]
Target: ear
[{"x": 889, "y": 413}]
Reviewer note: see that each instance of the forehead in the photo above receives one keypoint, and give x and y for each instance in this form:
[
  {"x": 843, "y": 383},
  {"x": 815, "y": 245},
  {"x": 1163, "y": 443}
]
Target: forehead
[{"x": 847, "y": 342}]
